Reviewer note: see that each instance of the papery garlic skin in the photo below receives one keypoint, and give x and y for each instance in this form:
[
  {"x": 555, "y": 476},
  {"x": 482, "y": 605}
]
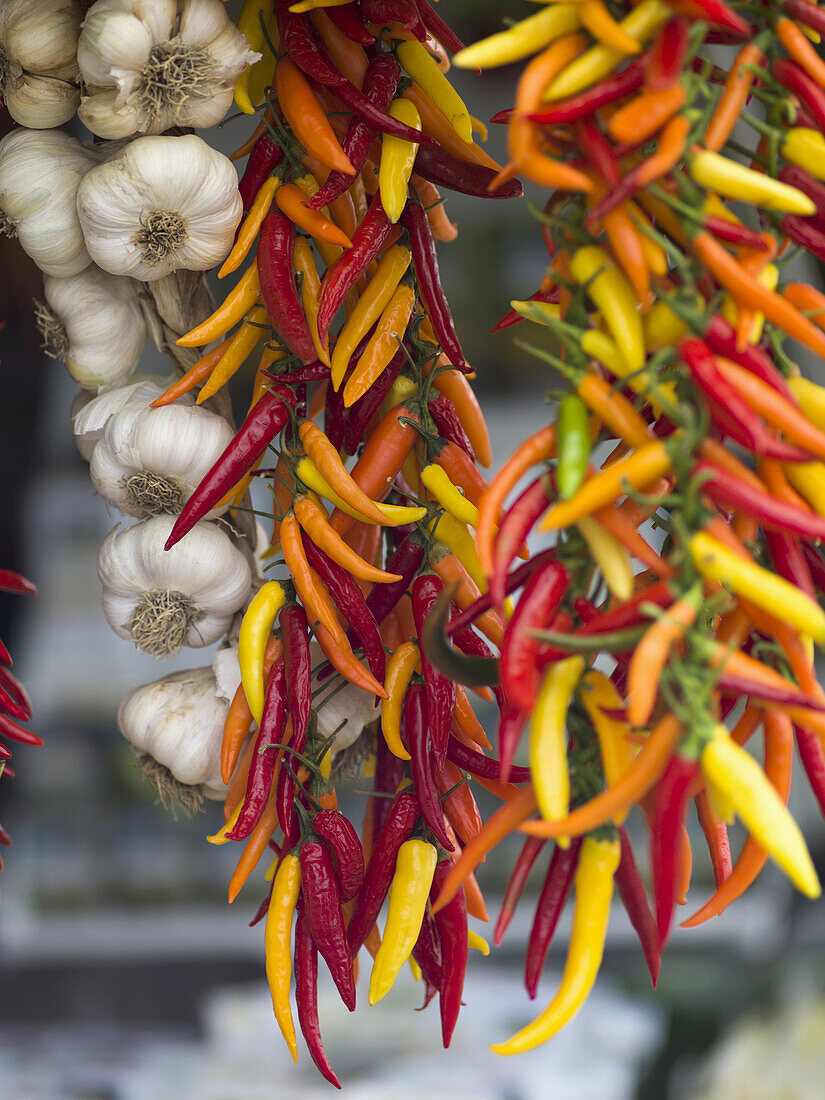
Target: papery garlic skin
[
  {"x": 158, "y": 205},
  {"x": 38, "y": 60},
  {"x": 149, "y": 65},
  {"x": 94, "y": 323},
  {"x": 150, "y": 461},
  {"x": 164, "y": 599},
  {"x": 90, "y": 415},
  {"x": 179, "y": 721},
  {"x": 40, "y": 171}
]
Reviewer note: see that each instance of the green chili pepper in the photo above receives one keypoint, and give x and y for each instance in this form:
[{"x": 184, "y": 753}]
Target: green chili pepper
[{"x": 573, "y": 444}]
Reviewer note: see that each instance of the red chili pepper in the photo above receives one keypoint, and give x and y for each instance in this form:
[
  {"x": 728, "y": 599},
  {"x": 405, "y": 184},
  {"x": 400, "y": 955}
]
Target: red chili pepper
[
  {"x": 297, "y": 665},
  {"x": 586, "y": 103},
  {"x": 350, "y": 22},
  {"x": 5, "y": 656},
  {"x": 538, "y": 604},
  {"x": 812, "y": 755},
  {"x": 804, "y": 232},
  {"x": 401, "y": 819},
  {"x": 405, "y": 561},
  {"x": 335, "y": 416},
  {"x": 265, "y": 157},
  {"x": 632, "y": 892},
  {"x": 14, "y": 732},
  {"x": 672, "y": 793},
  {"x": 337, "y": 831},
  {"x": 557, "y": 886},
  {"x": 796, "y": 80},
  {"x": 350, "y": 601},
  {"x": 788, "y": 560},
  {"x": 732, "y": 233},
  {"x": 809, "y": 14},
  {"x": 518, "y": 522},
  {"x": 805, "y": 182},
  {"x": 727, "y": 424},
  {"x": 262, "y": 769},
  {"x": 312, "y": 372},
  {"x": 716, "y": 13},
  {"x": 16, "y": 583},
  {"x": 389, "y": 771},
  {"x": 733, "y": 684},
  {"x": 5, "y": 752},
  {"x": 510, "y": 728},
  {"x": 424, "y": 592},
  {"x": 451, "y": 922},
  {"x": 358, "y": 103},
  {"x": 431, "y": 292},
  {"x": 427, "y": 953},
  {"x": 816, "y": 566},
  {"x": 716, "y": 835},
  {"x": 276, "y": 244},
  {"x": 665, "y": 58},
  {"x": 764, "y": 506},
  {"x": 306, "y": 994},
  {"x": 263, "y": 908},
  {"x": 512, "y": 318},
  {"x": 443, "y": 169},
  {"x": 722, "y": 338},
  {"x": 303, "y": 47},
  {"x": 515, "y": 886},
  {"x": 598, "y": 150},
  {"x": 627, "y": 614},
  {"x": 486, "y": 767},
  {"x": 322, "y": 908},
  {"x": 446, "y": 420},
  {"x": 13, "y": 696},
  {"x": 369, "y": 238},
  {"x": 380, "y": 83},
  {"x": 365, "y": 408},
  {"x": 391, "y": 11},
  {"x": 418, "y": 740},
  {"x": 262, "y": 424},
  {"x": 438, "y": 28},
  {"x": 513, "y": 581}
]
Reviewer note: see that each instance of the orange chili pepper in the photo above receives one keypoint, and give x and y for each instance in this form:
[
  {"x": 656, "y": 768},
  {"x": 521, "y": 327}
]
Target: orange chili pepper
[
  {"x": 668, "y": 154},
  {"x": 620, "y": 522},
  {"x": 435, "y": 123},
  {"x": 454, "y": 385},
  {"x": 340, "y": 655},
  {"x": 290, "y": 200},
  {"x": 383, "y": 344},
  {"x": 313, "y": 519},
  {"x": 734, "y": 97},
  {"x": 255, "y": 846},
  {"x": 305, "y": 115},
  {"x": 465, "y": 725},
  {"x": 807, "y": 299},
  {"x": 799, "y": 47},
  {"x": 626, "y": 245},
  {"x": 237, "y": 784},
  {"x": 196, "y": 374},
  {"x": 639, "y": 119},
  {"x": 308, "y": 584},
  {"x": 240, "y": 299},
  {"x": 441, "y": 226},
  {"x": 328, "y": 461},
  {"x": 450, "y": 569},
  {"x": 347, "y": 56},
  {"x": 651, "y": 655},
  {"x": 249, "y": 229}
]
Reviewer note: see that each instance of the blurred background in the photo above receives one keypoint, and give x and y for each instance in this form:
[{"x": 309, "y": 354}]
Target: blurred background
[{"x": 124, "y": 975}]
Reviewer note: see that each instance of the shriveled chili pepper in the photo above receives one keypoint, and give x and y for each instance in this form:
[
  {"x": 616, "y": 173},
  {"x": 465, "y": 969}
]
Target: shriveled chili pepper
[
  {"x": 306, "y": 995},
  {"x": 389, "y": 771},
  {"x": 267, "y": 154},
  {"x": 427, "y": 953},
  {"x": 260, "y": 427},
  {"x": 440, "y": 692},
  {"x": 262, "y": 770},
  {"x": 418, "y": 739},
  {"x": 486, "y": 767},
  {"x": 275, "y": 248},
  {"x": 401, "y": 819},
  {"x": 449, "y": 426},
  {"x": 349, "y": 19},
  {"x": 632, "y": 892},
  {"x": 332, "y": 827},
  {"x": 451, "y": 922},
  {"x": 322, "y": 907}
]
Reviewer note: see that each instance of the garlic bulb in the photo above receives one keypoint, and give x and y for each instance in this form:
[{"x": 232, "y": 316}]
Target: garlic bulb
[
  {"x": 149, "y": 65},
  {"x": 176, "y": 726},
  {"x": 38, "y": 60},
  {"x": 160, "y": 204},
  {"x": 94, "y": 323},
  {"x": 150, "y": 461},
  {"x": 90, "y": 415},
  {"x": 81, "y": 400},
  {"x": 40, "y": 171},
  {"x": 163, "y": 600}
]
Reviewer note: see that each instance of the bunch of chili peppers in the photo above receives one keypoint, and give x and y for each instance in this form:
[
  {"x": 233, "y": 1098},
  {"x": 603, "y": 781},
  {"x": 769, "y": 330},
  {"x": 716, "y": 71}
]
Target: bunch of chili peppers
[
  {"x": 15, "y": 705},
  {"x": 676, "y": 613}
]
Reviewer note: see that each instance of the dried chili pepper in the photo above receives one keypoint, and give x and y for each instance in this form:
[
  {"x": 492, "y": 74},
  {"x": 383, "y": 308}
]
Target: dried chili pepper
[
  {"x": 306, "y": 995},
  {"x": 451, "y": 923},
  {"x": 322, "y": 907},
  {"x": 332, "y": 827}
]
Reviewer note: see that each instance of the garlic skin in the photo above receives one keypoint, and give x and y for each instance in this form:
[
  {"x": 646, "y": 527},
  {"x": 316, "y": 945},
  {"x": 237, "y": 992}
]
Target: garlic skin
[
  {"x": 149, "y": 65},
  {"x": 90, "y": 415},
  {"x": 163, "y": 600},
  {"x": 38, "y": 60},
  {"x": 178, "y": 722},
  {"x": 94, "y": 323},
  {"x": 158, "y": 205},
  {"x": 150, "y": 461},
  {"x": 40, "y": 171}
]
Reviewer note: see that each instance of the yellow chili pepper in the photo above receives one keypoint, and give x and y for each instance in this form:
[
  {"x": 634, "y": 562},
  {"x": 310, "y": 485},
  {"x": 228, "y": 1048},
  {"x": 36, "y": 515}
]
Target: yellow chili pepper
[
  {"x": 639, "y": 469},
  {"x": 524, "y": 38},
  {"x": 749, "y": 580},
  {"x": 254, "y": 328},
  {"x": 249, "y": 24},
  {"x": 436, "y": 479},
  {"x": 220, "y": 836},
  {"x": 396, "y": 514},
  {"x": 596, "y": 17},
  {"x": 548, "y": 738},
  {"x": 400, "y": 669},
  {"x": 285, "y": 891},
  {"x": 807, "y": 149},
  {"x": 735, "y": 773},
  {"x": 383, "y": 345},
  {"x": 597, "y": 865},
  {"x": 736, "y": 181},
  {"x": 262, "y": 74},
  {"x": 256, "y": 626},
  {"x": 655, "y": 255},
  {"x": 397, "y": 160},
  {"x": 240, "y": 299},
  {"x": 808, "y": 478},
  {"x": 604, "y": 350},
  {"x": 456, "y": 536},
  {"x": 613, "y": 296},
  {"x": 610, "y": 555},
  {"x": 311, "y": 5},
  {"x": 251, "y": 224},
  {"x": 371, "y": 304},
  {"x": 811, "y": 398},
  {"x": 406, "y": 905},
  {"x": 598, "y": 695},
  {"x": 420, "y": 65},
  {"x": 477, "y": 943},
  {"x": 662, "y": 327},
  {"x": 767, "y": 277},
  {"x": 599, "y": 61},
  {"x": 310, "y": 288},
  {"x": 402, "y": 388}
]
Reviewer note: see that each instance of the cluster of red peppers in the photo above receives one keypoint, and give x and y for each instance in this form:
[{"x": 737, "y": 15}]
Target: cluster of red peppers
[{"x": 15, "y": 705}]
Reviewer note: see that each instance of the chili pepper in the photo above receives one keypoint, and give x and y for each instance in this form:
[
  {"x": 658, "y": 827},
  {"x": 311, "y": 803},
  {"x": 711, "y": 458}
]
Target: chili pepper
[
  {"x": 451, "y": 923},
  {"x": 397, "y": 159},
  {"x": 485, "y": 767},
  {"x": 349, "y": 19},
  {"x": 812, "y": 755},
  {"x": 440, "y": 693},
  {"x": 419, "y": 742},
  {"x": 305, "y": 115},
  {"x": 308, "y": 585},
  {"x": 303, "y": 48},
  {"x": 596, "y": 17},
  {"x": 427, "y": 954},
  {"x": 407, "y": 900},
  {"x": 607, "y": 287},
  {"x": 793, "y": 77},
  {"x": 442, "y": 168},
  {"x": 424, "y": 71},
  {"x": 634, "y": 898},
  {"x": 332, "y": 827},
  {"x": 266, "y": 156},
  {"x": 389, "y": 771},
  {"x": 322, "y": 908},
  {"x": 371, "y": 304},
  {"x": 597, "y": 864},
  {"x": 555, "y": 891},
  {"x": 460, "y": 807},
  {"x": 672, "y": 793},
  {"x": 275, "y": 250},
  {"x": 611, "y": 89},
  {"x": 361, "y": 413},
  {"x": 314, "y": 521},
  {"x": 14, "y": 732},
  {"x": 788, "y": 560},
  {"x": 539, "y": 602},
  {"x": 329, "y": 463},
  {"x": 665, "y": 58},
  {"x": 237, "y": 303},
  {"x": 548, "y": 749},
  {"x": 285, "y": 890},
  {"x": 380, "y": 869},
  {"x": 516, "y": 883},
  {"x": 262, "y": 769},
  {"x": 599, "y": 696},
  {"x": 776, "y": 514},
  {"x": 519, "y": 521},
  {"x": 383, "y": 346},
  {"x": 652, "y": 653},
  {"x": 400, "y": 671},
  {"x": 248, "y": 230},
  {"x": 298, "y": 665},
  {"x": 448, "y": 424},
  {"x": 256, "y": 627},
  {"x": 306, "y": 995},
  {"x": 736, "y": 181},
  {"x": 13, "y": 696},
  {"x": 573, "y": 444}
]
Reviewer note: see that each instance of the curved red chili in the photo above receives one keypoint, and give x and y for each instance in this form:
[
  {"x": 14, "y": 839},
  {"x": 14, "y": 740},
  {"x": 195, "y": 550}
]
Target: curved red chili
[
  {"x": 427, "y": 953},
  {"x": 389, "y": 771},
  {"x": 633, "y": 895},
  {"x": 764, "y": 506},
  {"x": 722, "y": 338},
  {"x": 333, "y": 827},
  {"x": 538, "y": 604},
  {"x": 425, "y": 590},
  {"x": 16, "y": 583},
  {"x": 812, "y": 755},
  {"x": 303, "y": 47},
  {"x": 665, "y": 58},
  {"x": 305, "y": 966},
  {"x": 350, "y": 22},
  {"x": 451, "y": 923},
  {"x": 512, "y": 582},
  {"x": 10, "y": 729},
  {"x": 14, "y": 698},
  {"x": 365, "y": 408},
  {"x": 518, "y": 522},
  {"x": 788, "y": 558},
  {"x": 418, "y": 740},
  {"x": 716, "y": 837},
  {"x": 515, "y": 886},
  {"x": 586, "y": 103},
  {"x": 796, "y": 80},
  {"x": 446, "y": 420},
  {"x": 265, "y": 157},
  {"x": 557, "y": 886},
  {"x": 276, "y": 244},
  {"x": 486, "y": 767},
  {"x": 443, "y": 169},
  {"x": 322, "y": 908}
]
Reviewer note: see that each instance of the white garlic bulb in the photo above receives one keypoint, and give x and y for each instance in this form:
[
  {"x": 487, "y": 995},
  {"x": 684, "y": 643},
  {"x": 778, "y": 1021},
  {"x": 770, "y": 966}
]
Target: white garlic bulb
[
  {"x": 163, "y": 600},
  {"x": 149, "y": 65},
  {"x": 176, "y": 726},
  {"x": 150, "y": 461},
  {"x": 90, "y": 415},
  {"x": 94, "y": 323},
  {"x": 160, "y": 204},
  {"x": 40, "y": 171},
  {"x": 38, "y": 60}
]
